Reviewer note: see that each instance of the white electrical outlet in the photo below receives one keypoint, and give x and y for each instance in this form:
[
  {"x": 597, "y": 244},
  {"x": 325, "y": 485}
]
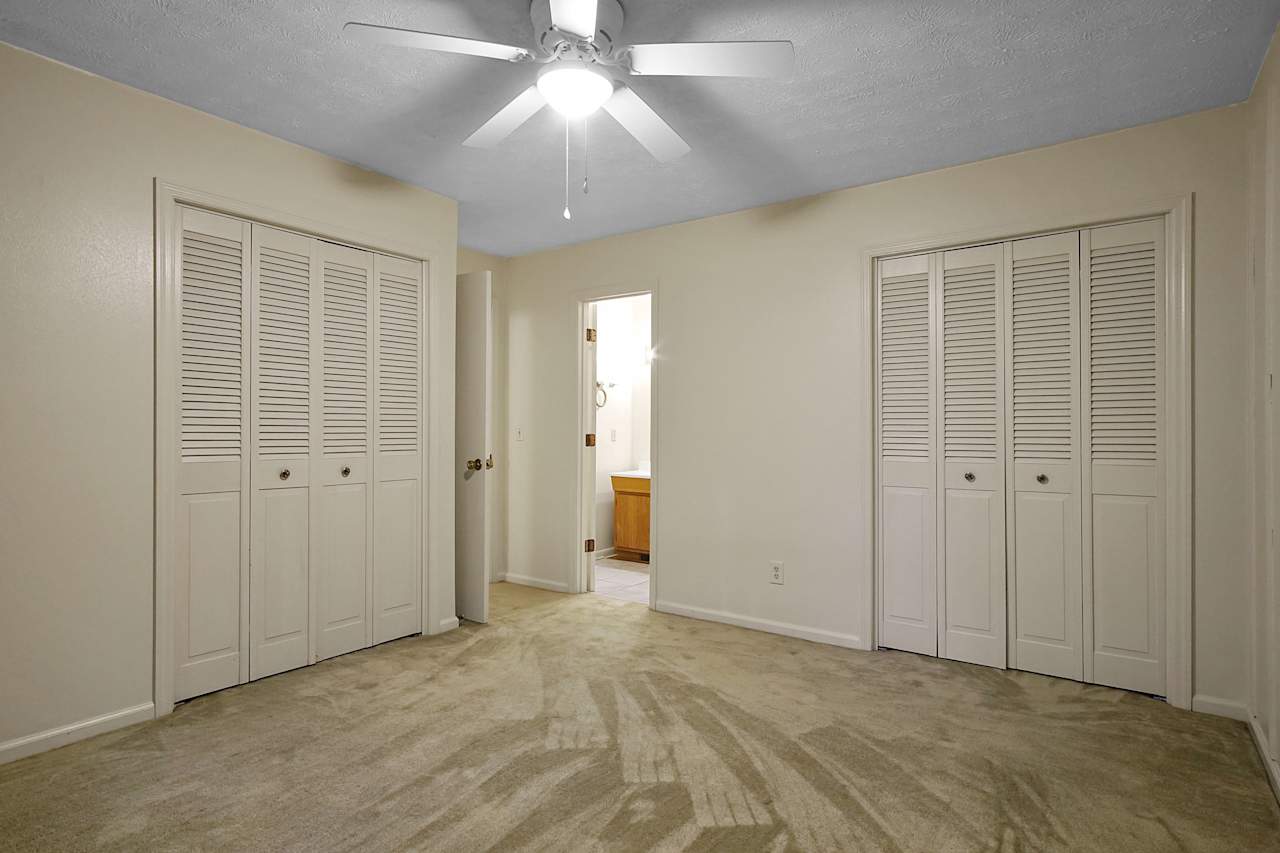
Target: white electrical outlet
[{"x": 775, "y": 572}]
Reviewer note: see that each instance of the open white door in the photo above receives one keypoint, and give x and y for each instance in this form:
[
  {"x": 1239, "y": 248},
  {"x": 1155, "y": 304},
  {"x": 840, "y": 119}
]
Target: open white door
[
  {"x": 474, "y": 440},
  {"x": 587, "y": 487}
]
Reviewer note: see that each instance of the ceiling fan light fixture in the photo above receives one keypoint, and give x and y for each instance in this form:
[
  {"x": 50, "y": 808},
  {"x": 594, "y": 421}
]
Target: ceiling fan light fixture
[{"x": 573, "y": 89}]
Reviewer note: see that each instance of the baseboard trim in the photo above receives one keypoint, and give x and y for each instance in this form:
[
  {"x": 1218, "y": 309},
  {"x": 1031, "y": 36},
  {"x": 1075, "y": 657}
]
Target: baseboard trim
[
  {"x": 1220, "y": 707},
  {"x": 21, "y": 747},
  {"x": 786, "y": 629},
  {"x": 1264, "y": 752},
  {"x": 529, "y": 580},
  {"x": 606, "y": 553},
  {"x": 447, "y": 625}
]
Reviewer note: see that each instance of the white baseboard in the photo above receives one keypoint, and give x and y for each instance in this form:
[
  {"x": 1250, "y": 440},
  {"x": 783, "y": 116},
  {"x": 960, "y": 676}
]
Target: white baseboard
[
  {"x": 817, "y": 635},
  {"x": 21, "y": 747},
  {"x": 606, "y": 553},
  {"x": 447, "y": 625},
  {"x": 540, "y": 583},
  {"x": 1220, "y": 707},
  {"x": 1264, "y": 752}
]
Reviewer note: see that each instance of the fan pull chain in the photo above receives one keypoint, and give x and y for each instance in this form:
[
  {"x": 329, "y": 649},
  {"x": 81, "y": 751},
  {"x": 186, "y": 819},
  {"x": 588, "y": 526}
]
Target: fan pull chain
[
  {"x": 567, "y": 214},
  {"x": 586, "y": 160}
]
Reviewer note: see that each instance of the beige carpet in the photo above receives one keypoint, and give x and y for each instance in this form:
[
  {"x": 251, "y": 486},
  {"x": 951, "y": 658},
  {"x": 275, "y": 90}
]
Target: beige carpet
[{"x": 581, "y": 723}]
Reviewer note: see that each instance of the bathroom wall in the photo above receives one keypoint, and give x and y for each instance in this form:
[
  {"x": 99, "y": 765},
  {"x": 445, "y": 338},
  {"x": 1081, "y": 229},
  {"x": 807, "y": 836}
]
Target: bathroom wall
[{"x": 622, "y": 425}]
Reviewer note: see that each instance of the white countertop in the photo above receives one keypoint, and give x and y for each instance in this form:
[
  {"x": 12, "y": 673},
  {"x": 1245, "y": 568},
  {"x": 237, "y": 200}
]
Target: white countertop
[{"x": 640, "y": 475}]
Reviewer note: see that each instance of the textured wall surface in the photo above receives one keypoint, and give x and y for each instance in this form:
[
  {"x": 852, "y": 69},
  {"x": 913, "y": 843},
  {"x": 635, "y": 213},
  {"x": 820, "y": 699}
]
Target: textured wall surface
[
  {"x": 762, "y": 435},
  {"x": 78, "y": 160},
  {"x": 883, "y": 88}
]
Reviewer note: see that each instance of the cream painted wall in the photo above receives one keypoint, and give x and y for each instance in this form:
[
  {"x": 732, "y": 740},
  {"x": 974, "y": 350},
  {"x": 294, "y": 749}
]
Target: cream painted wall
[
  {"x": 78, "y": 156},
  {"x": 1264, "y": 242},
  {"x": 763, "y": 410},
  {"x": 470, "y": 261}
]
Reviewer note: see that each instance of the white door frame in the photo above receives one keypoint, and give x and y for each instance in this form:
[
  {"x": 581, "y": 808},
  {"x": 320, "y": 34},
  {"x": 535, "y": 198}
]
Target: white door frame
[
  {"x": 1177, "y": 441},
  {"x": 581, "y": 301},
  {"x": 437, "y": 465}
]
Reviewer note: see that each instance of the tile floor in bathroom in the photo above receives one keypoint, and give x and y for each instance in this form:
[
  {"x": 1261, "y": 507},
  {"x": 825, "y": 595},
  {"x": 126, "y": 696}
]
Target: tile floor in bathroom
[{"x": 622, "y": 580}]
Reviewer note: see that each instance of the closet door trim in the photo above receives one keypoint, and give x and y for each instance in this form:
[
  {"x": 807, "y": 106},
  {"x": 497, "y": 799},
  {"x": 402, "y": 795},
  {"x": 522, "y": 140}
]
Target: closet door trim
[
  {"x": 435, "y": 406},
  {"x": 1177, "y": 214}
]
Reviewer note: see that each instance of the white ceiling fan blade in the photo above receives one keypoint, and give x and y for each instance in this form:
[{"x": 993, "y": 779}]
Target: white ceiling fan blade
[
  {"x": 714, "y": 59},
  {"x": 510, "y": 117},
  {"x": 646, "y": 126},
  {"x": 375, "y": 34},
  {"x": 576, "y": 17}
]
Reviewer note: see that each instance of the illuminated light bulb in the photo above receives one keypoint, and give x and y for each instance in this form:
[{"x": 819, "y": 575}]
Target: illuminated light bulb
[{"x": 573, "y": 89}]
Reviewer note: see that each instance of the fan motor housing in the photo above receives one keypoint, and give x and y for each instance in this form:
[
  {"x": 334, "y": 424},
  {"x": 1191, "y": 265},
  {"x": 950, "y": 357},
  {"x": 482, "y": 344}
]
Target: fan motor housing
[{"x": 609, "y": 18}]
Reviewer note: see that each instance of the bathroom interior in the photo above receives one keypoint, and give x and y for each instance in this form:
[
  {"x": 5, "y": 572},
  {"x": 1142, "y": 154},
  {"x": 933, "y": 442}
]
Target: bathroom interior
[{"x": 622, "y": 397}]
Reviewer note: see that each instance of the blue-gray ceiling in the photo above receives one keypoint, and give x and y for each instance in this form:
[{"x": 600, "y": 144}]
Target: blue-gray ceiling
[{"x": 882, "y": 88}]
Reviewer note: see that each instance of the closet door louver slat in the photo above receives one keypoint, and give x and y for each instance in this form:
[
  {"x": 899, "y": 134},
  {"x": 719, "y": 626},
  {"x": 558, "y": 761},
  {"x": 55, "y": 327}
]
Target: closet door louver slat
[
  {"x": 348, "y": 363},
  {"x": 399, "y": 356},
  {"x": 1123, "y": 314},
  {"x": 210, "y": 549},
  {"x": 904, "y": 366},
  {"x": 1045, "y": 613},
  {"x": 905, "y": 557},
  {"x": 971, "y": 544},
  {"x": 284, "y": 352},
  {"x": 212, "y": 347},
  {"x": 970, "y": 356}
]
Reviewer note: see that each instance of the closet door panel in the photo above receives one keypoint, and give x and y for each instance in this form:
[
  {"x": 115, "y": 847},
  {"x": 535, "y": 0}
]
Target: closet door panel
[
  {"x": 211, "y": 547},
  {"x": 1046, "y": 617},
  {"x": 207, "y": 591},
  {"x": 284, "y": 387},
  {"x": 973, "y": 594},
  {"x": 1123, "y": 370},
  {"x": 1046, "y": 554},
  {"x": 281, "y": 550},
  {"x": 971, "y": 589},
  {"x": 905, "y": 553},
  {"x": 398, "y": 445},
  {"x": 344, "y": 577}
]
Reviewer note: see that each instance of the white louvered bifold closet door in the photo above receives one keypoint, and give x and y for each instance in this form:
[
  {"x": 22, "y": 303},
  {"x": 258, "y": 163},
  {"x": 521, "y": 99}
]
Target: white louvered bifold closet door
[
  {"x": 285, "y": 360},
  {"x": 905, "y": 546},
  {"x": 971, "y": 541},
  {"x": 344, "y": 466},
  {"x": 1124, "y": 477},
  {"x": 400, "y": 317},
  {"x": 1043, "y": 404},
  {"x": 211, "y": 547}
]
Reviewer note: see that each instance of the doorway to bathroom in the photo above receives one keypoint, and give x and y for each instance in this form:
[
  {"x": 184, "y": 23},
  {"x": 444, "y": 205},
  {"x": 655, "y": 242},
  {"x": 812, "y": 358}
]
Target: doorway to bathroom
[{"x": 617, "y": 459}]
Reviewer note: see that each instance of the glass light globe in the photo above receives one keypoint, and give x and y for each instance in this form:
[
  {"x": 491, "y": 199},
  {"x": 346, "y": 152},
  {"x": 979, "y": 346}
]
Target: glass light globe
[{"x": 573, "y": 89}]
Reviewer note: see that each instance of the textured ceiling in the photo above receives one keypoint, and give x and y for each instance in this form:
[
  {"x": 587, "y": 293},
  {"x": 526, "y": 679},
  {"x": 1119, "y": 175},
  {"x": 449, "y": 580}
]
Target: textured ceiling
[{"x": 882, "y": 88}]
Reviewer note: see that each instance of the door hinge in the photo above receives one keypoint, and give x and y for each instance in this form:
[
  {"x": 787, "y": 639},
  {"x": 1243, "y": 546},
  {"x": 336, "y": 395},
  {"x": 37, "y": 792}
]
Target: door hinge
[
  {"x": 591, "y": 439},
  {"x": 591, "y": 336},
  {"x": 589, "y": 546}
]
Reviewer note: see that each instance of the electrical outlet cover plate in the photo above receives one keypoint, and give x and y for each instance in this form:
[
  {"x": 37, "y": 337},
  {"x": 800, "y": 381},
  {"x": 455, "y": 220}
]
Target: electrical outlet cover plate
[{"x": 775, "y": 572}]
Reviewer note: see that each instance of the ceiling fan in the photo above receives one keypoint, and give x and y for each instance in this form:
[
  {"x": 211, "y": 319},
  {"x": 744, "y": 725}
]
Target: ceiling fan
[{"x": 577, "y": 44}]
